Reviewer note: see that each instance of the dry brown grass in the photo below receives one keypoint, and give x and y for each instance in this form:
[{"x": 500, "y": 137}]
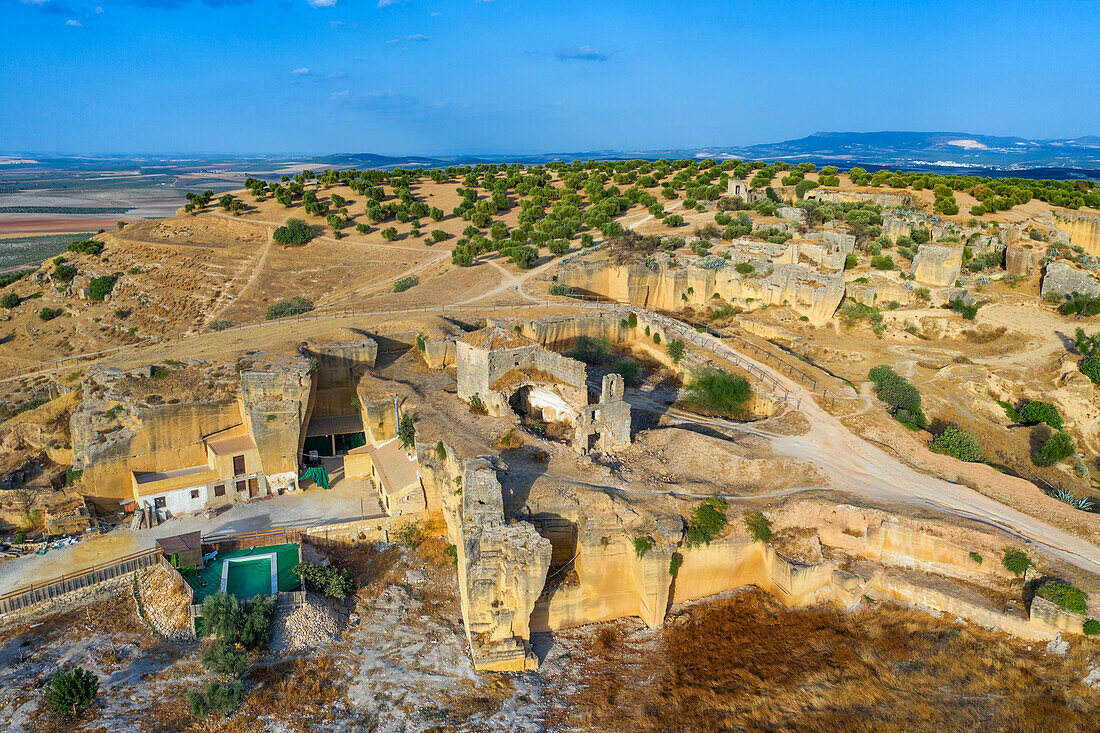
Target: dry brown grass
[
  {"x": 511, "y": 440},
  {"x": 299, "y": 693},
  {"x": 747, "y": 664}
]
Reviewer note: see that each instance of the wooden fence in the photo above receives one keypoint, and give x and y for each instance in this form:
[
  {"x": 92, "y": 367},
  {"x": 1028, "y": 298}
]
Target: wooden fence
[{"x": 47, "y": 590}]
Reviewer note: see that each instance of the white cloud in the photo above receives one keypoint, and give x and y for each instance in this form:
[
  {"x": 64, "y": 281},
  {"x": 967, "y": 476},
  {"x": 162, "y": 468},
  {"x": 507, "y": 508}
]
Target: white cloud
[
  {"x": 339, "y": 96},
  {"x": 99, "y": 10},
  {"x": 34, "y": 2},
  {"x": 304, "y": 71},
  {"x": 394, "y": 40},
  {"x": 416, "y": 37},
  {"x": 74, "y": 23},
  {"x": 335, "y": 23},
  {"x": 388, "y": 3},
  {"x": 435, "y": 13},
  {"x": 321, "y": 3}
]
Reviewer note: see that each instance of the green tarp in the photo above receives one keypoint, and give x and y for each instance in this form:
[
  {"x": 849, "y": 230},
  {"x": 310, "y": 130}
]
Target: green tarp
[{"x": 318, "y": 475}]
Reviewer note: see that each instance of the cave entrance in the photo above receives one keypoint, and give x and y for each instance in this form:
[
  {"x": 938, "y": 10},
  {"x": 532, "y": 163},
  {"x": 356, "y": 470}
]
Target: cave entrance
[
  {"x": 520, "y": 401},
  {"x": 590, "y": 444}
]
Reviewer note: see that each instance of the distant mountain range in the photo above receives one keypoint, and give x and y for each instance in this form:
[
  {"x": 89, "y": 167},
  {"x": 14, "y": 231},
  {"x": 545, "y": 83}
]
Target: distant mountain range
[
  {"x": 960, "y": 152},
  {"x": 942, "y": 150}
]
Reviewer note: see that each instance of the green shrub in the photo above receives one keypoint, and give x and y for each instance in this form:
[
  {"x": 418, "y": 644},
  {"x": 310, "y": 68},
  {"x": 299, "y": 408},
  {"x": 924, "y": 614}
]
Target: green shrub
[
  {"x": 643, "y": 544},
  {"x": 976, "y": 557},
  {"x": 850, "y": 260},
  {"x": 1015, "y": 561},
  {"x": 224, "y": 659},
  {"x": 1090, "y": 367},
  {"x": 9, "y": 301},
  {"x": 707, "y": 521},
  {"x": 675, "y": 349},
  {"x": 590, "y": 350},
  {"x": 329, "y": 580},
  {"x": 712, "y": 391},
  {"x": 960, "y": 306},
  {"x": 100, "y": 287},
  {"x": 389, "y": 234},
  {"x": 1066, "y": 596},
  {"x": 218, "y": 698},
  {"x": 1091, "y": 627},
  {"x": 882, "y": 262},
  {"x": 903, "y": 400},
  {"x": 760, "y": 527},
  {"x": 958, "y": 444},
  {"x": 559, "y": 289},
  {"x": 674, "y": 564},
  {"x": 1087, "y": 345},
  {"x": 86, "y": 246},
  {"x": 744, "y": 268},
  {"x": 225, "y": 618},
  {"x": 1057, "y": 447},
  {"x": 405, "y": 283},
  {"x": 284, "y": 308},
  {"x": 294, "y": 232},
  {"x": 628, "y": 369},
  {"x": 1081, "y": 304},
  {"x": 48, "y": 314},
  {"x": 406, "y": 431},
  {"x": 1036, "y": 412},
  {"x": 70, "y": 693}
]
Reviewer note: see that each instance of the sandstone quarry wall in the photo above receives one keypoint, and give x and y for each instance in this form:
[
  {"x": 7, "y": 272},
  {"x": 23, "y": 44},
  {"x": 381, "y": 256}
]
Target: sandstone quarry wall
[
  {"x": 1083, "y": 229},
  {"x": 664, "y": 286}
]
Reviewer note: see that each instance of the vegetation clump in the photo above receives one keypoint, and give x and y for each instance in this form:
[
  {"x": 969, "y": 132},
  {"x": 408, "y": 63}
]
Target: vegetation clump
[
  {"x": 1036, "y": 412},
  {"x": 294, "y": 233},
  {"x": 71, "y": 692},
  {"x": 1057, "y": 447},
  {"x": 643, "y": 544},
  {"x": 707, "y": 521},
  {"x": 284, "y": 308},
  {"x": 217, "y": 698},
  {"x": 958, "y": 444},
  {"x": 1015, "y": 561},
  {"x": 100, "y": 287},
  {"x": 760, "y": 527},
  {"x": 902, "y": 398},
  {"x": 405, "y": 283},
  {"x": 326, "y": 579},
  {"x": 1066, "y": 596},
  {"x": 712, "y": 391}
]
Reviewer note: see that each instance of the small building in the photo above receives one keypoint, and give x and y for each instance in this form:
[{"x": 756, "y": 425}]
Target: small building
[
  {"x": 740, "y": 187},
  {"x": 232, "y": 473},
  {"x": 183, "y": 550},
  {"x": 394, "y": 472}
]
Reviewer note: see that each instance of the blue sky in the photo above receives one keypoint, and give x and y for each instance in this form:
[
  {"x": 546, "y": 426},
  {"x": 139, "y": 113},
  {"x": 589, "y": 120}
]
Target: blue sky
[{"x": 510, "y": 76}]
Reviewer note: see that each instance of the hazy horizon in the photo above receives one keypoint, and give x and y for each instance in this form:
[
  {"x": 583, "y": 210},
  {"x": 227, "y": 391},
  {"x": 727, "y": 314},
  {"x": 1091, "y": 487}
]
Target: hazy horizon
[{"x": 399, "y": 77}]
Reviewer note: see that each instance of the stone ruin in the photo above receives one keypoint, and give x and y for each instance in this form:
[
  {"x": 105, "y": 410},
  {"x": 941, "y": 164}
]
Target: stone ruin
[
  {"x": 510, "y": 372},
  {"x": 502, "y": 569}
]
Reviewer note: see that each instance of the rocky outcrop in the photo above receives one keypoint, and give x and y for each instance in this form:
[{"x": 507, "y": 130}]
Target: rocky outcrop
[
  {"x": 502, "y": 570},
  {"x": 879, "y": 292},
  {"x": 885, "y": 200},
  {"x": 798, "y": 216},
  {"x": 276, "y": 403},
  {"x": 938, "y": 264},
  {"x": 895, "y": 227},
  {"x": 1020, "y": 260},
  {"x": 1063, "y": 279},
  {"x": 663, "y": 284}
]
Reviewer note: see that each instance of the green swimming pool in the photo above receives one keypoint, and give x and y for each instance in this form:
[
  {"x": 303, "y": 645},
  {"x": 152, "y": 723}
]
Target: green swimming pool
[{"x": 250, "y": 577}]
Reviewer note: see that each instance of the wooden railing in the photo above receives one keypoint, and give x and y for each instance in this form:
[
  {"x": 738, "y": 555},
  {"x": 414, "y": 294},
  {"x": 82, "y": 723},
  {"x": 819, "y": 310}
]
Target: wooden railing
[{"x": 29, "y": 595}]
